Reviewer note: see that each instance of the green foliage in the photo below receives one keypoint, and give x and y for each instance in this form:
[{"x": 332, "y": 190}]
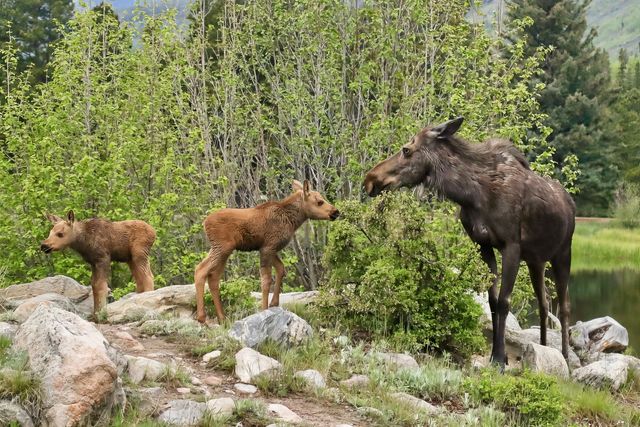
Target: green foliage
[
  {"x": 118, "y": 293},
  {"x": 396, "y": 266},
  {"x": 627, "y": 210},
  {"x": 598, "y": 246},
  {"x": 17, "y": 382},
  {"x": 535, "y": 399},
  {"x": 236, "y": 298}
]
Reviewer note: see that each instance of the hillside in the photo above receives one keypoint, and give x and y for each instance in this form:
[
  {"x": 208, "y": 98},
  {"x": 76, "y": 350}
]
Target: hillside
[{"x": 617, "y": 22}]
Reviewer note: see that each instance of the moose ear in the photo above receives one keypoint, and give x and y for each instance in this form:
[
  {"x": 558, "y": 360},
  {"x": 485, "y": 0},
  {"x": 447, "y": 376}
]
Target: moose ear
[
  {"x": 306, "y": 188},
  {"x": 448, "y": 128},
  {"x": 297, "y": 185},
  {"x": 53, "y": 218},
  {"x": 71, "y": 217}
]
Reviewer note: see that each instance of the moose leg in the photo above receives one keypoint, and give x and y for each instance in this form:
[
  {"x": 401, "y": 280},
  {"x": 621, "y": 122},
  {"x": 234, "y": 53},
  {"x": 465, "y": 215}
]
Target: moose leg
[
  {"x": 561, "y": 266},
  {"x": 100, "y": 273},
  {"x": 266, "y": 264},
  {"x": 214, "y": 284},
  {"x": 510, "y": 263},
  {"x": 141, "y": 272},
  {"x": 279, "y": 266},
  {"x": 536, "y": 272},
  {"x": 489, "y": 257}
]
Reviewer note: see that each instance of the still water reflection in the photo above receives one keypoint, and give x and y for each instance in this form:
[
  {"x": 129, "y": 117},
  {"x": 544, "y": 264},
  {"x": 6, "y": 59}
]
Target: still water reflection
[{"x": 608, "y": 293}]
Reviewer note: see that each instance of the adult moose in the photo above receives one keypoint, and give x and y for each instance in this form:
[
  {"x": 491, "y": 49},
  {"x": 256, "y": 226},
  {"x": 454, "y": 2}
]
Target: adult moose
[
  {"x": 267, "y": 228},
  {"x": 504, "y": 205}
]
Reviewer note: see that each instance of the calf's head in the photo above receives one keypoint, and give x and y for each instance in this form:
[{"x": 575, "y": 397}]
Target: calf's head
[
  {"x": 61, "y": 235},
  {"x": 314, "y": 205},
  {"x": 414, "y": 164}
]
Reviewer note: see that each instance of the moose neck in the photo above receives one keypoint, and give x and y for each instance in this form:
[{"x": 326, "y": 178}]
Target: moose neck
[{"x": 292, "y": 212}]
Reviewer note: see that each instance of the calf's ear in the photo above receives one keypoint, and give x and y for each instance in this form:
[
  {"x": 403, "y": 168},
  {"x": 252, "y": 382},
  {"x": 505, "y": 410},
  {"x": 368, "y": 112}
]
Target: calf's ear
[
  {"x": 53, "y": 218},
  {"x": 297, "y": 185},
  {"x": 448, "y": 128},
  {"x": 71, "y": 217}
]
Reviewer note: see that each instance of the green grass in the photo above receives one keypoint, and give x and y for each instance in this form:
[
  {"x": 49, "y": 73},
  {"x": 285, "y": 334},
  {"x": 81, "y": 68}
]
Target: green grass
[{"x": 598, "y": 246}]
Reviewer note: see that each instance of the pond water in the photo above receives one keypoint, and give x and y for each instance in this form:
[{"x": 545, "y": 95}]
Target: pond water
[{"x": 613, "y": 293}]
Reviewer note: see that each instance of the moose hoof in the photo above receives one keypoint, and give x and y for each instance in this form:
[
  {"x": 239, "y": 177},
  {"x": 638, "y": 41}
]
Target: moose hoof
[{"x": 202, "y": 319}]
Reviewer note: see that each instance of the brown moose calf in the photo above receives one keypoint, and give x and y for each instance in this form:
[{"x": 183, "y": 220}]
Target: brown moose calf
[
  {"x": 100, "y": 242},
  {"x": 266, "y": 228}
]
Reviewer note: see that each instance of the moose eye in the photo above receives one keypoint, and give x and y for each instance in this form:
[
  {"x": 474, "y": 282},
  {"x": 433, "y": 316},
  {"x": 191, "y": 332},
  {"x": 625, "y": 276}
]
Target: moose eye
[
  {"x": 320, "y": 202},
  {"x": 406, "y": 152},
  {"x": 60, "y": 234}
]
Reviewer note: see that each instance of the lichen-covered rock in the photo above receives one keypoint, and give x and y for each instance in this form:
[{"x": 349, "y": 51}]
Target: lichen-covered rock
[
  {"x": 141, "y": 368},
  {"x": 11, "y": 412},
  {"x": 540, "y": 358},
  {"x": 282, "y": 412},
  {"x": 72, "y": 359},
  {"x": 277, "y": 324},
  {"x": 416, "y": 403},
  {"x": 221, "y": 406},
  {"x": 612, "y": 371},
  {"x": 8, "y": 330},
  {"x": 78, "y": 294},
  {"x": 397, "y": 360},
  {"x": 28, "y": 306},
  {"x": 312, "y": 378},
  {"x": 177, "y": 300},
  {"x": 603, "y": 334},
  {"x": 355, "y": 381},
  {"x": 183, "y": 413},
  {"x": 250, "y": 364}
]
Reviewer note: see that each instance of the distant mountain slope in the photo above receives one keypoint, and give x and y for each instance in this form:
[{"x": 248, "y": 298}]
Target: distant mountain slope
[{"x": 617, "y": 22}]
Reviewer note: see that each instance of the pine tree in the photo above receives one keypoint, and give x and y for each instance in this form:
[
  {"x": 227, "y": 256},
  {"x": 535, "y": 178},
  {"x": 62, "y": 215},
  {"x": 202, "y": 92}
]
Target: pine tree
[
  {"x": 623, "y": 59},
  {"x": 575, "y": 98},
  {"x": 33, "y": 26}
]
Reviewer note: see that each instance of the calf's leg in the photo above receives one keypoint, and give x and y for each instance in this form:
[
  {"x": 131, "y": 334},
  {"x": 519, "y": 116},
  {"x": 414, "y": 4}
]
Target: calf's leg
[
  {"x": 266, "y": 264},
  {"x": 536, "y": 272},
  {"x": 100, "y": 273},
  {"x": 141, "y": 272},
  {"x": 213, "y": 278},
  {"x": 279, "y": 266}
]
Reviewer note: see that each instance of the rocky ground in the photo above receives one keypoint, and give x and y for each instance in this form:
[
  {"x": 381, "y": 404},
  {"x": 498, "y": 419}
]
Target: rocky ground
[{"x": 147, "y": 362}]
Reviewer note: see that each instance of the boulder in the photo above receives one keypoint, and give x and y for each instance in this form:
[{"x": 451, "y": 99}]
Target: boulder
[
  {"x": 290, "y": 297},
  {"x": 312, "y": 378},
  {"x": 8, "y": 330},
  {"x": 516, "y": 342},
  {"x": 397, "y": 360},
  {"x": 277, "y": 324},
  {"x": 243, "y": 388},
  {"x": 544, "y": 359},
  {"x": 141, "y": 368},
  {"x": 282, "y": 412},
  {"x": 72, "y": 359},
  {"x": 26, "y": 307},
  {"x": 183, "y": 413},
  {"x": 612, "y": 371},
  {"x": 13, "y": 413},
  {"x": 221, "y": 406},
  {"x": 355, "y": 381},
  {"x": 177, "y": 300},
  {"x": 414, "y": 402},
  {"x": 483, "y": 300},
  {"x": 603, "y": 334},
  {"x": 250, "y": 364},
  {"x": 124, "y": 341}
]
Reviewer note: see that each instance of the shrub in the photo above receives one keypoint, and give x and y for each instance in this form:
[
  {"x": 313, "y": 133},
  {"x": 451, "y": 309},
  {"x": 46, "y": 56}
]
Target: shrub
[
  {"x": 533, "y": 398},
  {"x": 398, "y": 267},
  {"x": 627, "y": 209}
]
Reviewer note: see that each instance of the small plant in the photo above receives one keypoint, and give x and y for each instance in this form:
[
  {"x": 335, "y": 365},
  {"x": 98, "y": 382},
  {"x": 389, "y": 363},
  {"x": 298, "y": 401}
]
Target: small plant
[
  {"x": 251, "y": 412},
  {"x": 174, "y": 327},
  {"x": 219, "y": 340},
  {"x": 17, "y": 382},
  {"x": 174, "y": 376}
]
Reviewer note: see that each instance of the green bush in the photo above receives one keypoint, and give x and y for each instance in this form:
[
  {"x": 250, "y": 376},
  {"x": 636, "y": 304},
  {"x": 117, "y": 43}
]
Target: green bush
[
  {"x": 534, "y": 399},
  {"x": 627, "y": 210},
  {"x": 235, "y": 294},
  {"x": 398, "y": 268}
]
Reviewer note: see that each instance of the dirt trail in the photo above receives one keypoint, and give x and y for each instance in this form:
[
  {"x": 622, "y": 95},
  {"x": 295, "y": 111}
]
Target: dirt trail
[{"x": 314, "y": 412}]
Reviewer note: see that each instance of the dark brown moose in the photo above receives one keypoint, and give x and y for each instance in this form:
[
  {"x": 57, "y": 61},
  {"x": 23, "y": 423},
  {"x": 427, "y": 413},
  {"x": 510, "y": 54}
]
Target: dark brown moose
[
  {"x": 504, "y": 205},
  {"x": 266, "y": 228},
  {"x": 100, "y": 242}
]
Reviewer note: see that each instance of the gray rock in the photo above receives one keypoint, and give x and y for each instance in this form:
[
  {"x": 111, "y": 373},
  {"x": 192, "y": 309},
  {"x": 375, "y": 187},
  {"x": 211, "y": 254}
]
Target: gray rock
[
  {"x": 282, "y": 412},
  {"x": 416, "y": 403},
  {"x": 516, "y": 342},
  {"x": 12, "y": 412},
  {"x": 177, "y": 300},
  {"x": 312, "y": 378},
  {"x": 603, "y": 334},
  {"x": 544, "y": 359},
  {"x": 250, "y": 364},
  {"x": 211, "y": 355},
  {"x": 72, "y": 360},
  {"x": 278, "y": 324},
  {"x": 483, "y": 300},
  {"x": 397, "y": 360},
  {"x": 141, "y": 368},
  {"x": 8, "y": 330},
  {"x": 356, "y": 381},
  {"x": 245, "y": 388},
  {"x": 28, "y": 306},
  {"x": 611, "y": 371},
  {"x": 290, "y": 297},
  {"x": 183, "y": 413},
  {"x": 62, "y": 285},
  {"x": 221, "y": 406},
  {"x": 554, "y": 322}
]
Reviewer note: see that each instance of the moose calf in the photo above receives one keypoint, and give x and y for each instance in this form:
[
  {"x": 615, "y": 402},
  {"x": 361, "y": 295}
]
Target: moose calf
[
  {"x": 266, "y": 228},
  {"x": 99, "y": 242}
]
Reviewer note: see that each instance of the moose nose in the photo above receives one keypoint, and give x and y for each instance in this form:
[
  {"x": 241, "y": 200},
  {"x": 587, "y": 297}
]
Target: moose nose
[
  {"x": 45, "y": 248},
  {"x": 334, "y": 215}
]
